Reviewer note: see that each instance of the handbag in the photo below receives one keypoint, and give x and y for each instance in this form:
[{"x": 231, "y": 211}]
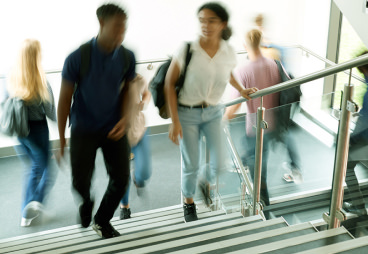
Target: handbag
[{"x": 14, "y": 118}]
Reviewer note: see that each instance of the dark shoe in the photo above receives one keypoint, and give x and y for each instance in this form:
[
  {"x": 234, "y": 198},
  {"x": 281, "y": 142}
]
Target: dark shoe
[
  {"x": 105, "y": 231},
  {"x": 356, "y": 209},
  {"x": 85, "y": 213},
  {"x": 205, "y": 191},
  {"x": 125, "y": 213},
  {"x": 190, "y": 212}
]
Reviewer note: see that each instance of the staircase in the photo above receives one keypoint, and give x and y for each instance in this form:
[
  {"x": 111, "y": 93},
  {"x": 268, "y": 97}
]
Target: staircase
[{"x": 163, "y": 231}]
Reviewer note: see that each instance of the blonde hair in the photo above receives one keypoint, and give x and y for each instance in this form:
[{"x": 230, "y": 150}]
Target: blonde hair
[
  {"x": 28, "y": 79},
  {"x": 254, "y": 38}
]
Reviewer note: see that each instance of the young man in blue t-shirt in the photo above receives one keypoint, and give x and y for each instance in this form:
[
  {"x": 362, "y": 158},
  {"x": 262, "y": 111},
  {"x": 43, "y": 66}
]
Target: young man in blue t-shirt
[{"x": 98, "y": 115}]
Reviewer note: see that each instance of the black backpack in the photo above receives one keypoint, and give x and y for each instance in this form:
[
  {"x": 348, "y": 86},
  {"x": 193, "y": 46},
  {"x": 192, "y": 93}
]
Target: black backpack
[
  {"x": 86, "y": 58},
  {"x": 290, "y": 95},
  {"x": 157, "y": 83}
]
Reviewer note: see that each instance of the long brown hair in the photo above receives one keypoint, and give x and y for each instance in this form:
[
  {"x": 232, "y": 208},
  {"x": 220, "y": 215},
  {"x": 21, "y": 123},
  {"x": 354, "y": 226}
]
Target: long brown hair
[{"x": 28, "y": 79}]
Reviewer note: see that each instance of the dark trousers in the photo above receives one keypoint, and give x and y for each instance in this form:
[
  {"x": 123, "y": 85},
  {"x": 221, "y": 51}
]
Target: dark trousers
[
  {"x": 358, "y": 140},
  {"x": 353, "y": 191},
  {"x": 83, "y": 148},
  {"x": 250, "y": 143}
]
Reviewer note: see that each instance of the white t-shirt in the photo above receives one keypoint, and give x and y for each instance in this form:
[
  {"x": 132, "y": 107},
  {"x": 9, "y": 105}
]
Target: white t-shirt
[{"x": 206, "y": 77}]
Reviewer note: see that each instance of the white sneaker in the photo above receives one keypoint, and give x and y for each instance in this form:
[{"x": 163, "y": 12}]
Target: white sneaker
[
  {"x": 294, "y": 174},
  {"x": 298, "y": 177},
  {"x": 30, "y": 212}
]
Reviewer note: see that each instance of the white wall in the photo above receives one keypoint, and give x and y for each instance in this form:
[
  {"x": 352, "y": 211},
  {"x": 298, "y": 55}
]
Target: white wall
[{"x": 156, "y": 27}]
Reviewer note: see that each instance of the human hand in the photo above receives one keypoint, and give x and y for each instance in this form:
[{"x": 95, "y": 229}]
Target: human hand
[
  {"x": 246, "y": 92},
  {"x": 60, "y": 154},
  {"x": 118, "y": 131},
  {"x": 175, "y": 131}
]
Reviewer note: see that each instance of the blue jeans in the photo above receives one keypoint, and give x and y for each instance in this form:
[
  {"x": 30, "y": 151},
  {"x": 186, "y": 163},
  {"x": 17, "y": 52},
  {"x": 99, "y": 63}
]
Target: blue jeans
[
  {"x": 36, "y": 147},
  {"x": 195, "y": 123},
  {"x": 143, "y": 165}
]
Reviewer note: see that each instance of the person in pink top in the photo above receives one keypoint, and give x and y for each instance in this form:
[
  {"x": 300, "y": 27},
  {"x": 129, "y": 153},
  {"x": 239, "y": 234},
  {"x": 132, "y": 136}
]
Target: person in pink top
[
  {"x": 260, "y": 72},
  {"x": 139, "y": 141}
]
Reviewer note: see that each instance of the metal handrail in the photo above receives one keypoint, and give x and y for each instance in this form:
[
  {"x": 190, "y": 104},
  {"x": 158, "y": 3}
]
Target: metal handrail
[
  {"x": 159, "y": 60},
  {"x": 328, "y": 62},
  {"x": 361, "y": 60}
]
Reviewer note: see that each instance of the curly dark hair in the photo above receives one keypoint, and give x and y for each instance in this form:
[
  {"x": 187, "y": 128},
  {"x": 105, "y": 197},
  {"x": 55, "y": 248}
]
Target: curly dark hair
[{"x": 109, "y": 10}]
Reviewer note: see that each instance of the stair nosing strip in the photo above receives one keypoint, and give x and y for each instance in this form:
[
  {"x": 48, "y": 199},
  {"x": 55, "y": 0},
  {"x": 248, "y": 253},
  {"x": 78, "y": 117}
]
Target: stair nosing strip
[
  {"x": 339, "y": 247},
  {"x": 295, "y": 241},
  {"x": 148, "y": 240},
  {"x": 248, "y": 238},
  {"x": 72, "y": 227},
  {"x": 90, "y": 235},
  {"x": 192, "y": 239}
]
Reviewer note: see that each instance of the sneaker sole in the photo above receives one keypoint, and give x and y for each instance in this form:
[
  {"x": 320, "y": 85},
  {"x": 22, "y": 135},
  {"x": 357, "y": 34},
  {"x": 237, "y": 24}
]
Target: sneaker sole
[
  {"x": 97, "y": 231},
  {"x": 27, "y": 222}
]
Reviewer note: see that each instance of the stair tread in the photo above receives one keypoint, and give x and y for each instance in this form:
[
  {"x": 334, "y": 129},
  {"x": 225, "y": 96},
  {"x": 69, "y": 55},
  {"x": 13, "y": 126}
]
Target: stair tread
[
  {"x": 227, "y": 245},
  {"x": 295, "y": 241},
  {"x": 182, "y": 242},
  {"x": 133, "y": 232},
  {"x": 167, "y": 216},
  {"x": 353, "y": 246},
  {"x": 153, "y": 237},
  {"x": 169, "y": 209}
]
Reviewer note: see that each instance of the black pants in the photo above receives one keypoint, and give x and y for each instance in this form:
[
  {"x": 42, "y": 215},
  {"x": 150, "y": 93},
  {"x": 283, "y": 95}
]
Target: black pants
[
  {"x": 249, "y": 160},
  {"x": 83, "y": 148},
  {"x": 358, "y": 140}
]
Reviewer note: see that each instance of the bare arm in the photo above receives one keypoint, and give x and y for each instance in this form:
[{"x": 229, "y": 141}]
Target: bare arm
[
  {"x": 230, "y": 111},
  {"x": 172, "y": 77},
  {"x": 63, "y": 110},
  {"x": 146, "y": 96},
  {"x": 121, "y": 127},
  {"x": 243, "y": 91}
]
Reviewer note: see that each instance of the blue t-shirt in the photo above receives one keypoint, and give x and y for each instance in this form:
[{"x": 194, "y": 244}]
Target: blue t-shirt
[{"x": 97, "y": 100}]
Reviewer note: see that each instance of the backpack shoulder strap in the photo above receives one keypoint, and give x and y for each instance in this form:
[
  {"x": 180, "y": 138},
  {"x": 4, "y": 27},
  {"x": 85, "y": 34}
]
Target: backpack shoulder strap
[
  {"x": 283, "y": 75},
  {"x": 188, "y": 56},
  {"x": 85, "y": 59}
]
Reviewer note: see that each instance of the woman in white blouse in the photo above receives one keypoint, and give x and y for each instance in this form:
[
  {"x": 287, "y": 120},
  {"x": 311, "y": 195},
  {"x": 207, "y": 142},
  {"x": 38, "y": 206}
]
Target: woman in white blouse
[{"x": 196, "y": 111}]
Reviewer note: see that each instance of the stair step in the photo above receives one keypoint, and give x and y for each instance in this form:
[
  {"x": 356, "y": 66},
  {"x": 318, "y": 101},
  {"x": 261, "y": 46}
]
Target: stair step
[
  {"x": 144, "y": 229},
  {"x": 355, "y": 246},
  {"x": 77, "y": 233},
  {"x": 251, "y": 239},
  {"x": 189, "y": 241},
  {"x": 301, "y": 243},
  {"x": 161, "y": 211},
  {"x": 164, "y": 235}
]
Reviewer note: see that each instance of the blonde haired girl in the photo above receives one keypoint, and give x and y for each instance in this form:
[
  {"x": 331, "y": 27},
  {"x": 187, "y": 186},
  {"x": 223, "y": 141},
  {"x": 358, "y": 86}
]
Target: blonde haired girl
[{"x": 28, "y": 82}]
